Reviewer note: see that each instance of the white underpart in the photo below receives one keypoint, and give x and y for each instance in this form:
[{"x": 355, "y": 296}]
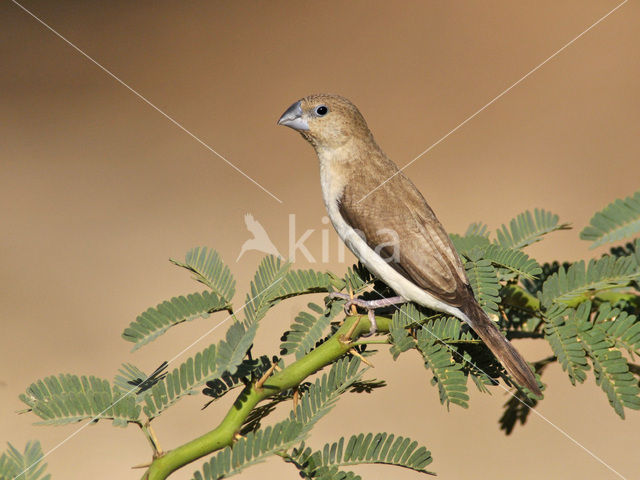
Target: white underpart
[{"x": 332, "y": 187}]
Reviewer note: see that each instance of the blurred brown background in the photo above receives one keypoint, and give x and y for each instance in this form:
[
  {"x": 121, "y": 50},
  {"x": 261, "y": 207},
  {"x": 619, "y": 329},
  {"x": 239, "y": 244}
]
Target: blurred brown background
[{"x": 98, "y": 190}]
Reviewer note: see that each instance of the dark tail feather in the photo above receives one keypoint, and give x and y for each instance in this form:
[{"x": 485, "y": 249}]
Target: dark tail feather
[{"x": 500, "y": 346}]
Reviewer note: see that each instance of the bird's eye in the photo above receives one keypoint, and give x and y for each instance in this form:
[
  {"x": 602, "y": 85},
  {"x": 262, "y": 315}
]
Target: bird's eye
[{"x": 321, "y": 110}]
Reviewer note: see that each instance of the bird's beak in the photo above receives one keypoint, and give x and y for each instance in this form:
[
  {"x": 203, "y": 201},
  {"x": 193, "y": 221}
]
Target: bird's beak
[{"x": 292, "y": 118}]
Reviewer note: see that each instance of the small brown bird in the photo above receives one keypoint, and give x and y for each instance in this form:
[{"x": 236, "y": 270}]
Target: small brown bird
[{"x": 385, "y": 221}]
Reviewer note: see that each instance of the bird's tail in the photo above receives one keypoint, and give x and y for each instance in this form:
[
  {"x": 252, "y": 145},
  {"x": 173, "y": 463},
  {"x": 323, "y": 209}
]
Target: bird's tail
[{"x": 501, "y": 347}]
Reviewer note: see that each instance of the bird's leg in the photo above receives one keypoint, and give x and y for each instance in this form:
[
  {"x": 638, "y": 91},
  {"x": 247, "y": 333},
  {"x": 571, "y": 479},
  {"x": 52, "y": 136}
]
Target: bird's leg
[
  {"x": 379, "y": 303},
  {"x": 371, "y": 305},
  {"x": 374, "y": 326},
  {"x": 340, "y": 295},
  {"x": 368, "y": 305}
]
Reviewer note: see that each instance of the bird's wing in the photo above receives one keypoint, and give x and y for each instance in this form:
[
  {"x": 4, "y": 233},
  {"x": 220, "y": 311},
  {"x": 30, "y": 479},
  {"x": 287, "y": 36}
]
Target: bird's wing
[{"x": 398, "y": 223}]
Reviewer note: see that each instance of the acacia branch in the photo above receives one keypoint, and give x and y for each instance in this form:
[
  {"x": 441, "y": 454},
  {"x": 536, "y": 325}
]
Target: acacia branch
[{"x": 223, "y": 435}]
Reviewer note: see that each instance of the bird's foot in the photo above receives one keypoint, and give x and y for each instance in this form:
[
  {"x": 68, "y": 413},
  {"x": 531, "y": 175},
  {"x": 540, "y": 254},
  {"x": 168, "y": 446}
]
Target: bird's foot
[
  {"x": 374, "y": 326},
  {"x": 368, "y": 305}
]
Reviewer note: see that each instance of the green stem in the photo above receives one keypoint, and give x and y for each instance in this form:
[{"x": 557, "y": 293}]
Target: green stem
[
  {"x": 614, "y": 297},
  {"x": 518, "y": 297},
  {"x": 223, "y": 435},
  {"x": 371, "y": 342}
]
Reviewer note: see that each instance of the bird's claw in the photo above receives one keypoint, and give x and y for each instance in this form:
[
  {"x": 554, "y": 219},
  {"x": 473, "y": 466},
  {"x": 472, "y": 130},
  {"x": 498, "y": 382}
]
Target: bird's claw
[
  {"x": 358, "y": 302},
  {"x": 374, "y": 326}
]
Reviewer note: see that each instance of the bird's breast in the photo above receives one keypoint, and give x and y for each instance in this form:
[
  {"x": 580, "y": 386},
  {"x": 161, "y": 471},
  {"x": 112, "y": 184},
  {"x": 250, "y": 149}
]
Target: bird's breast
[{"x": 333, "y": 180}]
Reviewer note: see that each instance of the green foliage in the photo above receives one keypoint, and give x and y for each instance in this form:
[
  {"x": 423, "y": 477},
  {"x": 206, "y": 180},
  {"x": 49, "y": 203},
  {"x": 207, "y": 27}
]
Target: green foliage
[
  {"x": 307, "y": 329},
  {"x": 484, "y": 282},
  {"x": 610, "y": 368},
  {"x": 275, "y": 281},
  {"x": 211, "y": 363},
  {"x": 620, "y": 329},
  {"x": 256, "y": 447},
  {"x": 449, "y": 330},
  {"x": 470, "y": 246},
  {"x": 576, "y": 284},
  {"x": 249, "y": 369},
  {"x": 526, "y": 228},
  {"x": 407, "y": 320},
  {"x": 447, "y": 374},
  {"x": 322, "y": 395},
  {"x": 512, "y": 263},
  {"x": 69, "y": 398},
  {"x": 300, "y": 282},
  {"x": 133, "y": 380},
  {"x": 401, "y": 338},
  {"x": 477, "y": 228},
  {"x": 561, "y": 331},
  {"x": 520, "y": 299},
  {"x": 635, "y": 250},
  {"x": 550, "y": 303},
  {"x": 155, "y": 321},
  {"x": 515, "y": 261},
  {"x": 26, "y": 465},
  {"x": 264, "y": 290},
  {"x": 379, "y": 448},
  {"x": 616, "y": 221},
  {"x": 357, "y": 279},
  {"x": 586, "y": 312},
  {"x": 331, "y": 473},
  {"x": 207, "y": 268},
  {"x": 254, "y": 420}
]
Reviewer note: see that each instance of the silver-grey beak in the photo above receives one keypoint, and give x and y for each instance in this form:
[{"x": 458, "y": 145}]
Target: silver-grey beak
[{"x": 292, "y": 118}]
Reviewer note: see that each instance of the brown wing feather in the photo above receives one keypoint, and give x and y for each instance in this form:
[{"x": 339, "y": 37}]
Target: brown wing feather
[
  {"x": 421, "y": 249},
  {"x": 424, "y": 253}
]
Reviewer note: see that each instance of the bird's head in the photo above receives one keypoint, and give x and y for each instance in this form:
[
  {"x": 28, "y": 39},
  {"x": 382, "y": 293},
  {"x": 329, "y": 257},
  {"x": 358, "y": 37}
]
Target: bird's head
[{"x": 326, "y": 121}]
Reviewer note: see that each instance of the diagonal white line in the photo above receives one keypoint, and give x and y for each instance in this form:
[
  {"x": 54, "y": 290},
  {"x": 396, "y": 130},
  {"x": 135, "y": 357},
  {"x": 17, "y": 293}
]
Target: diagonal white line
[
  {"x": 559, "y": 429},
  {"x": 148, "y": 102},
  {"x": 76, "y": 432},
  {"x": 477, "y": 112}
]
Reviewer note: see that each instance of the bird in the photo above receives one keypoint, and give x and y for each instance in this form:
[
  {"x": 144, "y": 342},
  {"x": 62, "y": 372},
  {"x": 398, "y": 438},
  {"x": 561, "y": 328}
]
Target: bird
[
  {"x": 385, "y": 221},
  {"x": 260, "y": 240}
]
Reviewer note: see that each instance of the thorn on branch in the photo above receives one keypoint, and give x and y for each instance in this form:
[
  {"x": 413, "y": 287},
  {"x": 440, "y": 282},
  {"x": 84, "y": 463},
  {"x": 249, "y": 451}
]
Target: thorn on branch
[
  {"x": 504, "y": 315},
  {"x": 266, "y": 375},
  {"x": 355, "y": 352},
  {"x": 354, "y": 310},
  {"x": 296, "y": 399},
  {"x": 347, "y": 337},
  {"x": 148, "y": 431}
]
